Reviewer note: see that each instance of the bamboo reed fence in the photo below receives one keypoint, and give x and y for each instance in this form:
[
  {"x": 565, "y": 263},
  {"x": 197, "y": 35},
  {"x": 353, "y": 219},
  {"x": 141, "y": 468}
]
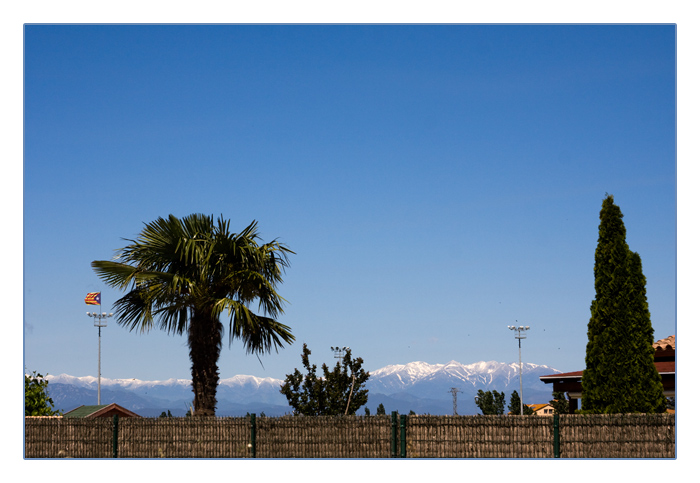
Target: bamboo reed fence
[
  {"x": 565, "y": 436},
  {"x": 324, "y": 437},
  {"x": 618, "y": 436},
  {"x": 180, "y": 438},
  {"x": 479, "y": 437},
  {"x": 56, "y": 437}
]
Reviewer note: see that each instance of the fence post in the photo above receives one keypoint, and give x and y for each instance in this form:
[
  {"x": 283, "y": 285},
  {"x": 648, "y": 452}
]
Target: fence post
[
  {"x": 403, "y": 436},
  {"x": 115, "y": 435},
  {"x": 252, "y": 435},
  {"x": 393, "y": 433},
  {"x": 556, "y": 435}
]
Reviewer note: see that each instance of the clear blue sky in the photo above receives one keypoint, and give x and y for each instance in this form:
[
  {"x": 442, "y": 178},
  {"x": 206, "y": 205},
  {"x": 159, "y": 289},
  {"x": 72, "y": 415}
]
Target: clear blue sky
[{"x": 437, "y": 183}]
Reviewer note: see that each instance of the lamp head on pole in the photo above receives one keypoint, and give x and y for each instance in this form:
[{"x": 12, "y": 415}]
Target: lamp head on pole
[{"x": 519, "y": 329}]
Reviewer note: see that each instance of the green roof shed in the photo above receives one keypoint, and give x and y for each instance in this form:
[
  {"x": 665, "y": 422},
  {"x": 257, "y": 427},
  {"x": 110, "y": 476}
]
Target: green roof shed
[{"x": 100, "y": 411}]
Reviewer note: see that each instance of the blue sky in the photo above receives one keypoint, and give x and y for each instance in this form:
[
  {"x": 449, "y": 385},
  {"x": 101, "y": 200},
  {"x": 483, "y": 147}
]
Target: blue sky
[{"x": 437, "y": 183}]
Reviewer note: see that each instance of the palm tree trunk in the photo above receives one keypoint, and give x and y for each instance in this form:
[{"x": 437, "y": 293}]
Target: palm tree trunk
[{"x": 204, "y": 339}]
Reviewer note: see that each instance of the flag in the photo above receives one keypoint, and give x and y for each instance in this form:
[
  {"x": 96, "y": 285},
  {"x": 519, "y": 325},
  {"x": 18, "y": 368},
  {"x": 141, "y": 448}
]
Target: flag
[{"x": 93, "y": 298}]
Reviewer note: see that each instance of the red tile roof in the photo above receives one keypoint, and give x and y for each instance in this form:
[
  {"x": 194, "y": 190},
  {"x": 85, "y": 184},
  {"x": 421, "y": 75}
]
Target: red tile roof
[
  {"x": 564, "y": 375},
  {"x": 662, "y": 367},
  {"x": 665, "y": 344},
  {"x": 537, "y": 407},
  {"x": 669, "y": 343}
]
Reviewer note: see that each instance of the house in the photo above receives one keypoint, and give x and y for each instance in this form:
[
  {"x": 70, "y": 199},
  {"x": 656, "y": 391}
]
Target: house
[
  {"x": 100, "y": 411},
  {"x": 542, "y": 409},
  {"x": 664, "y": 360}
]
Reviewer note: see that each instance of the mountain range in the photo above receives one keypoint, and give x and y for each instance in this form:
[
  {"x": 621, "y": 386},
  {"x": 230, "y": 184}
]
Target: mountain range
[{"x": 417, "y": 386}]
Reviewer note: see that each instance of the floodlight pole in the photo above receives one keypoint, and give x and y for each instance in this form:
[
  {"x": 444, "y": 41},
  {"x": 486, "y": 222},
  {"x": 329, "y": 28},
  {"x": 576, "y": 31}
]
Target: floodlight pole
[
  {"x": 99, "y": 322},
  {"x": 339, "y": 352},
  {"x": 339, "y": 355},
  {"x": 519, "y": 336}
]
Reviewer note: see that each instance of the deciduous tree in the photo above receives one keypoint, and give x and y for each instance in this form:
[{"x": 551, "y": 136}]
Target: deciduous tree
[{"x": 36, "y": 396}]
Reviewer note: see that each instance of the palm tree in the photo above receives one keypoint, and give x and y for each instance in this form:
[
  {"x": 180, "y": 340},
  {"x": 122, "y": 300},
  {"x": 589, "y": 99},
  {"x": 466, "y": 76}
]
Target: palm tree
[{"x": 182, "y": 274}]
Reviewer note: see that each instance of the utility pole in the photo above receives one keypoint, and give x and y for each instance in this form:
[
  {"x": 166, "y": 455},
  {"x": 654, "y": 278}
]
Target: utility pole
[
  {"x": 454, "y": 392},
  {"x": 519, "y": 336}
]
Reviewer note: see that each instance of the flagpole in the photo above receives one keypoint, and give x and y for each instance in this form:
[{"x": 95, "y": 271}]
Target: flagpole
[
  {"x": 98, "y": 322},
  {"x": 99, "y": 359}
]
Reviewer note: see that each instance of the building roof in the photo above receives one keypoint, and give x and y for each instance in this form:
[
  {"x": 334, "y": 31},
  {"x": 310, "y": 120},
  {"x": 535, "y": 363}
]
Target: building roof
[
  {"x": 562, "y": 375},
  {"x": 669, "y": 343},
  {"x": 666, "y": 367},
  {"x": 102, "y": 410},
  {"x": 663, "y": 367},
  {"x": 537, "y": 407}
]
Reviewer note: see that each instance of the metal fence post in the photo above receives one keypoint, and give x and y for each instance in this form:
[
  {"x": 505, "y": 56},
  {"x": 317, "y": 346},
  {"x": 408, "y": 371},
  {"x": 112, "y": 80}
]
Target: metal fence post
[
  {"x": 403, "y": 436},
  {"x": 393, "y": 433},
  {"x": 115, "y": 435},
  {"x": 556, "y": 435},
  {"x": 252, "y": 435}
]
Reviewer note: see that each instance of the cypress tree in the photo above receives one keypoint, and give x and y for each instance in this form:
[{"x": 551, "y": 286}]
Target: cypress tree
[
  {"x": 491, "y": 402},
  {"x": 514, "y": 406},
  {"x": 620, "y": 376},
  {"x": 559, "y": 403},
  {"x": 647, "y": 391}
]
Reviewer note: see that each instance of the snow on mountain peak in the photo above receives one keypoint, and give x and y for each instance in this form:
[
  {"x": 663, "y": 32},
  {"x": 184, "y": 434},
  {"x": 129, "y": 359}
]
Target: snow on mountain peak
[
  {"x": 74, "y": 380},
  {"x": 395, "y": 376},
  {"x": 256, "y": 381},
  {"x": 412, "y": 369}
]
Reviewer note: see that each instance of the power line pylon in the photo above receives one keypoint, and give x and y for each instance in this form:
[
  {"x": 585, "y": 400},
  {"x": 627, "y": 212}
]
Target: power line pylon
[{"x": 454, "y": 392}]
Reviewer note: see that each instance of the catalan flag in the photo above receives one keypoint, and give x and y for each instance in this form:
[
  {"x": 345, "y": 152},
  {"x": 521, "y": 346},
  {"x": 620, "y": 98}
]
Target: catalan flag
[{"x": 93, "y": 298}]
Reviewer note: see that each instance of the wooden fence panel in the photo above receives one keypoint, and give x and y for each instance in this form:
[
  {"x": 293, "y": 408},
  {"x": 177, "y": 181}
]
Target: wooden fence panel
[
  {"x": 57, "y": 437},
  {"x": 618, "y": 436},
  {"x": 324, "y": 437},
  {"x": 479, "y": 437},
  {"x": 581, "y": 436},
  {"x": 184, "y": 437}
]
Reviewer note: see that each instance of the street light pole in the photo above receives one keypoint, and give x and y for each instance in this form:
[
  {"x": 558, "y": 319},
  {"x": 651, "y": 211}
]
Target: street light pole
[
  {"x": 99, "y": 322},
  {"x": 520, "y": 336}
]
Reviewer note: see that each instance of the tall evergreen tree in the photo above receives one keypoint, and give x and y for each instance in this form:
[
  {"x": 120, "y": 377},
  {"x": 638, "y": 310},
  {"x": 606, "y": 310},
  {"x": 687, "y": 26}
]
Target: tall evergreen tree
[
  {"x": 514, "y": 406},
  {"x": 648, "y": 389},
  {"x": 490, "y": 402},
  {"x": 620, "y": 376},
  {"x": 559, "y": 403}
]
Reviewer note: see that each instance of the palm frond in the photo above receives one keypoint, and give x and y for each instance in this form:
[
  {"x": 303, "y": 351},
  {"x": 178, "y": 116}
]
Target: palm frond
[
  {"x": 259, "y": 334},
  {"x": 176, "y": 265}
]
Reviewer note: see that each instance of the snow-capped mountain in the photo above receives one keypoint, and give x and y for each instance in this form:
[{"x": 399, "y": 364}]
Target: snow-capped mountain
[
  {"x": 236, "y": 388},
  {"x": 426, "y": 388},
  {"x": 417, "y": 386},
  {"x": 413, "y": 377}
]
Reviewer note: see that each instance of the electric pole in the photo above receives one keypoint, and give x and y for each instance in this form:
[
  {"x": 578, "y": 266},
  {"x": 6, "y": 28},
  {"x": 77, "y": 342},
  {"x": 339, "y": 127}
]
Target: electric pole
[{"x": 454, "y": 392}]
